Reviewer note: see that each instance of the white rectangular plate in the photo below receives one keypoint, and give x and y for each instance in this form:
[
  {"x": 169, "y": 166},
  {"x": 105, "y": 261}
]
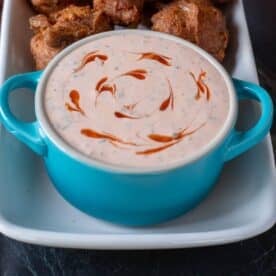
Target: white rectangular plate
[{"x": 242, "y": 204}]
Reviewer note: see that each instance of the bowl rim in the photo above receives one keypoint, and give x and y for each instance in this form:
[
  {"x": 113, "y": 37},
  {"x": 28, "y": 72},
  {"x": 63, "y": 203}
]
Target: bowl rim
[{"x": 65, "y": 147}]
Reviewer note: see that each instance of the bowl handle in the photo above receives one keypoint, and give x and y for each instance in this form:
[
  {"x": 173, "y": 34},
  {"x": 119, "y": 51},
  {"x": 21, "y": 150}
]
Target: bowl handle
[
  {"x": 28, "y": 133},
  {"x": 242, "y": 141}
]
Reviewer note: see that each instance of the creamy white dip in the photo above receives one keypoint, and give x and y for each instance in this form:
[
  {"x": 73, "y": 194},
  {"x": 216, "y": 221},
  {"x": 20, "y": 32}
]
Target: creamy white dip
[{"x": 136, "y": 100}]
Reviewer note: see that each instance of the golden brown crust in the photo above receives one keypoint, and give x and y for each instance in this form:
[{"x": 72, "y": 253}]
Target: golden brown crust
[
  {"x": 41, "y": 52},
  {"x": 49, "y": 6},
  {"x": 123, "y": 12},
  {"x": 212, "y": 34},
  {"x": 196, "y": 21},
  {"x": 62, "y": 24},
  {"x": 74, "y": 23},
  {"x": 62, "y": 28}
]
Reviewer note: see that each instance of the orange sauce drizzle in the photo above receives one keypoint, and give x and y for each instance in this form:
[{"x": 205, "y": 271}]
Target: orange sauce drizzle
[
  {"x": 88, "y": 132},
  {"x": 160, "y": 138},
  {"x": 90, "y": 57},
  {"x": 172, "y": 140},
  {"x": 126, "y": 116},
  {"x": 155, "y": 150},
  {"x": 108, "y": 88},
  {"x": 180, "y": 135},
  {"x": 156, "y": 57},
  {"x": 202, "y": 87},
  {"x": 102, "y": 86},
  {"x": 100, "y": 83},
  {"x": 75, "y": 102},
  {"x": 169, "y": 101},
  {"x": 139, "y": 74}
]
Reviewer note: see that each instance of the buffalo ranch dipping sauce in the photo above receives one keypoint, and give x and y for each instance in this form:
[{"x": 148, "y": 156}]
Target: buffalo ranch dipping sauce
[{"x": 136, "y": 100}]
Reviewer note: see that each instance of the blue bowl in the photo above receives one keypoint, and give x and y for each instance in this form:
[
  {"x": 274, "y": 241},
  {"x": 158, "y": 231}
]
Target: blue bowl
[{"x": 133, "y": 196}]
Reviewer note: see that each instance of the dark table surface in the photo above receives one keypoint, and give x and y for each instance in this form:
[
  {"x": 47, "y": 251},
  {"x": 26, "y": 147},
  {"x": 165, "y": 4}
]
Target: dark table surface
[{"x": 256, "y": 256}]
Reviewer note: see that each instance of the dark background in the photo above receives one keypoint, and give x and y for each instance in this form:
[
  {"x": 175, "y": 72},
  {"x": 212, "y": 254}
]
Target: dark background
[{"x": 256, "y": 256}]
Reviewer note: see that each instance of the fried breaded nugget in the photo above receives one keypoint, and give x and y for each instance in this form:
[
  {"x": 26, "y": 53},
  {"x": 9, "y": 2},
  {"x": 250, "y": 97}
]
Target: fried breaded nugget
[
  {"x": 196, "y": 21},
  {"x": 41, "y": 52},
  {"x": 123, "y": 12},
  {"x": 74, "y": 23},
  {"x": 60, "y": 29},
  {"x": 49, "y": 6}
]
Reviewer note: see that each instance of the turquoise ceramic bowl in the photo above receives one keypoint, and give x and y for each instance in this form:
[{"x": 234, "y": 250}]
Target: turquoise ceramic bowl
[{"x": 134, "y": 196}]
